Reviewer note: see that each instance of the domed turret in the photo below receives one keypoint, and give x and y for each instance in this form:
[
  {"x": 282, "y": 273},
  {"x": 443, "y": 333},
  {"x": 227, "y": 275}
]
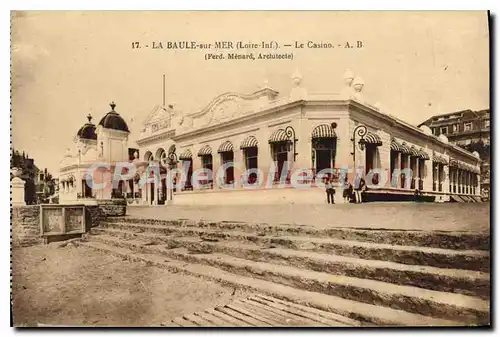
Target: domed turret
[
  {"x": 113, "y": 120},
  {"x": 87, "y": 131}
]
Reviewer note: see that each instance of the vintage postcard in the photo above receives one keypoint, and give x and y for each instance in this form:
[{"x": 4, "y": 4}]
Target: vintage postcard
[{"x": 250, "y": 169}]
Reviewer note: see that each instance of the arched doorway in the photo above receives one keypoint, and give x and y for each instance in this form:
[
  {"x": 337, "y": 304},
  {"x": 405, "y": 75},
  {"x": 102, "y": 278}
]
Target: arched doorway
[
  {"x": 227, "y": 158},
  {"x": 324, "y": 147}
]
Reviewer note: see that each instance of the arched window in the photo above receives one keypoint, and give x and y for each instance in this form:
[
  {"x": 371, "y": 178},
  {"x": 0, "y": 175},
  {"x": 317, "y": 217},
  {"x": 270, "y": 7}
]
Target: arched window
[{"x": 148, "y": 156}]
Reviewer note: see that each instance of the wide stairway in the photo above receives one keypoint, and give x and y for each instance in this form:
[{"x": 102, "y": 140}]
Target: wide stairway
[{"x": 374, "y": 277}]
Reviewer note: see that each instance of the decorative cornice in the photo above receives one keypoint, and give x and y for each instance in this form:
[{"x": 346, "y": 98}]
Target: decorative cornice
[
  {"x": 154, "y": 138},
  {"x": 255, "y": 95},
  {"x": 241, "y": 119}
]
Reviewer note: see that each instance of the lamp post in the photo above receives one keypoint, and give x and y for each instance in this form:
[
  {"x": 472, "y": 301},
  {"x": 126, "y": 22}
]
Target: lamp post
[
  {"x": 290, "y": 133},
  {"x": 361, "y": 131},
  {"x": 172, "y": 162}
]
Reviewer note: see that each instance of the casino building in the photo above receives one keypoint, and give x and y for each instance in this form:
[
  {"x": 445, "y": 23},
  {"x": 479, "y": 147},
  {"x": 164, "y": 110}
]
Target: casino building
[{"x": 294, "y": 136}]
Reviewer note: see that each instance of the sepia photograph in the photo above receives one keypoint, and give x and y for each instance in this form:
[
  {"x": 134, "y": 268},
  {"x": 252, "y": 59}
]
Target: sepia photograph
[{"x": 247, "y": 169}]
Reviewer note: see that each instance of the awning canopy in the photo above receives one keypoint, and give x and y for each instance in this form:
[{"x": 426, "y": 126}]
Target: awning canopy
[
  {"x": 249, "y": 142},
  {"x": 205, "y": 151},
  {"x": 413, "y": 151},
  {"x": 227, "y": 146},
  {"x": 423, "y": 155},
  {"x": 395, "y": 146},
  {"x": 440, "y": 160},
  {"x": 323, "y": 131},
  {"x": 186, "y": 155},
  {"x": 278, "y": 136},
  {"x": 405, "y": 148},
  {"x": 464, "y": 166},
  {"x": 373, "y": 139}
]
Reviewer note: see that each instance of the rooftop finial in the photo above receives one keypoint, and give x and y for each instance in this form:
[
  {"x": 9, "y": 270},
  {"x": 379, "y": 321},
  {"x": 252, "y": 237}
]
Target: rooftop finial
[
  {"x": 296, "y": 77},
  {"x": 89, "y": 117},
  {"x": 112, "y": 105}
]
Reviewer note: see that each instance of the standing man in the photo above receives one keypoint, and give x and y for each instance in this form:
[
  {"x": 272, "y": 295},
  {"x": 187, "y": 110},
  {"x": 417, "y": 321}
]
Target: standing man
[
  {"x": 330, "y": 191},
  {"x": 359, "y": 187},
  {"x": 347, "y": 191}
]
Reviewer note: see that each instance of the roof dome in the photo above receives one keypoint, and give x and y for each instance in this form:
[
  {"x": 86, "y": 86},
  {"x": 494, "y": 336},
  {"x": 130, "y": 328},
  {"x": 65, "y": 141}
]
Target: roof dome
[
  {"x": 443, "y": 138},
  {"x": 112, "y": 120},
  {"x": 87, "y": 131},
  {"x": 426, "y": 129}
]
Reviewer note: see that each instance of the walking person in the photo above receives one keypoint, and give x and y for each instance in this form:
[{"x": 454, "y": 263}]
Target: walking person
[{"x": 330, "y": 191}]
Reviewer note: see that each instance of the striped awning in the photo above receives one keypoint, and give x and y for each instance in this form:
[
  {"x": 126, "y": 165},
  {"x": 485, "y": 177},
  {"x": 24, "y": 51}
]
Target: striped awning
[
  {"x": 395, "y": 146},
  {"x": 372, "y": 139},
  {"x": 323, "y": 131},
  {"x": 440, "y": 160},
  {"x": 249, "y": 142},
  {"x": 423, "y": 155},
  {"x": 414, "y": 151},
  {"x": 227, "y": 146},
  {"x": 205, "y": 151},
  {"x": 278, "y": 136},
  {"x": 464, "y": 166},
  {"x": 405, "y": 148},
  {"x": 186, "y": 155}
]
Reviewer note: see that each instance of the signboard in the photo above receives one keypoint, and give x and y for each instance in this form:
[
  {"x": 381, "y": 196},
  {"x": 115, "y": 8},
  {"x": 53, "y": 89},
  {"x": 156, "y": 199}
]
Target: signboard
[{"x": 62, "y": 219}]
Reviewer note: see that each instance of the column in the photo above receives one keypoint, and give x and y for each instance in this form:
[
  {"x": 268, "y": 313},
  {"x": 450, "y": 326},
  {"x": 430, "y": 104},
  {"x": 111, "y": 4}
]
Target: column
[
  {"x": 304, "y": 146},
  {"x": 239, "y": 165},
  {"x": 446, "y": 179},
  {"x": 159, "y": 188},
  {"x": 464, "y": 183},
  {"x": 264, "y": 159},
  {"x": 218, "y": 179},
  {"x": 145, "y": 190},
  {"x": 398, "y": 167},
  {"x": 417, "y": 173},
  {"x": 478, "y": 184},
  {"x": 196, "y": 167},
  {"x": 435, "y": 170},
  {"x": 460, "y": 181}
]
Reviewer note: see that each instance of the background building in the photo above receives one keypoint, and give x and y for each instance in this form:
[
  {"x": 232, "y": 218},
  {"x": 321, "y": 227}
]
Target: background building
[{"x": 469, "y": 130}]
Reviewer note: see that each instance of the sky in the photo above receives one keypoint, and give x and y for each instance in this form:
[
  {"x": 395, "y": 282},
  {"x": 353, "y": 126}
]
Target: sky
[{"x": 66, "y": 65}]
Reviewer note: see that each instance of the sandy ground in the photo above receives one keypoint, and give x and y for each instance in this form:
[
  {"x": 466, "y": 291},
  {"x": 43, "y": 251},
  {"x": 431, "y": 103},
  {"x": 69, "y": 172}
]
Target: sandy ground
[
  {"x": 474, "y": 217},
  {"x": 79, "y": 286}
]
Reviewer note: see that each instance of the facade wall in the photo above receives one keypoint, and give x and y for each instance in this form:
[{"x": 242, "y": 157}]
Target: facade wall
[{"x": 304, "y": 117}]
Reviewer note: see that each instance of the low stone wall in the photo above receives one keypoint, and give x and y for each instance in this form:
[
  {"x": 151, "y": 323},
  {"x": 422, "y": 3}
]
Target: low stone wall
[
  {"x": 25, "y": 222},
  {"x": 113, "y": 207},
  {"x": 274, "y": 195}
]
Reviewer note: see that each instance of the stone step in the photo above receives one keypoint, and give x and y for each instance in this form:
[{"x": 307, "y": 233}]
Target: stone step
[
  {"x": 450, "y": 280},
  {"x": 263, "y": 311},
  {"x": 436, "y": 239},
  {"x": 467, "y": 309},
  {"x": 359, "y": 311},
  {"x": 437, "y": 257}
]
